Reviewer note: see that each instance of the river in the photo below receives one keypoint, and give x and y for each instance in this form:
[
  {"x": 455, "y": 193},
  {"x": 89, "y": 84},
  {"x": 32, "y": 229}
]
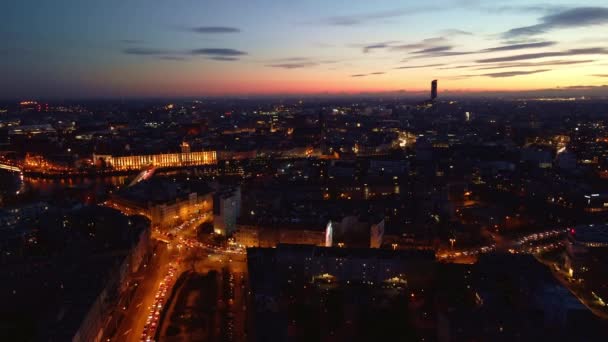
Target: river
[{"x": 12, "y": 184}]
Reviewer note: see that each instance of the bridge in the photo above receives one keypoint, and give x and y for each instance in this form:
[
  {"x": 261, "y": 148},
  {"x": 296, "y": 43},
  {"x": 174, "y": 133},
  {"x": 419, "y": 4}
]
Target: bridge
[
  {"x": 144, "y": 175},
  {"x": 10, "y": 167}
]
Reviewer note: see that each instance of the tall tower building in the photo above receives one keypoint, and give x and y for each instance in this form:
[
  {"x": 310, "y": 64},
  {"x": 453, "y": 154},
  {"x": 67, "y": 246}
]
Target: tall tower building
[{"x": 434, "y": 89}]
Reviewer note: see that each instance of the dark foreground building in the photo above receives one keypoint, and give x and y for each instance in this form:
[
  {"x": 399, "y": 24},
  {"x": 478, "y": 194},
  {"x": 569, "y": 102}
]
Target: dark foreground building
[
  {"x": 62, "y": 272},
  {"x": 308, "y": 293}
]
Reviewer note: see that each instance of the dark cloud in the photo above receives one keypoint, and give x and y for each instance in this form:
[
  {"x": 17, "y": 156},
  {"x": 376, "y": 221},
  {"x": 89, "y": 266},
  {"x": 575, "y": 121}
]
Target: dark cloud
[
  {"x": 435, "y": 49},
  {"x": 293, "y": 59},
  {"x": 223, "y": 58},
  {"x": 215, "y": 29},
  {"x": 370, "y": 74},
  {"x": 443, "y": 54},
  {"x": 173, "y": 58},
  {"x": 577, "y": 87},
  {"x": 375, "y": 46},
  {"x": 214, "y": 54},
  {"x": 293, "y": 65},
  {"x": 523, "y": 31},
  {"x": 547, "y": 63},
  {"x": 446, "y": 50},
  {"x": 218, "y": 52},
  {"x": 521, "y": 40},
  {"x": 513, "y": 73},
  {"x": 440, "y": 47},
  {"x": 419, "y": 66},
  {"x": 141, "y": 51},
  {"x": 545, "y": 9},
  {"x": 456, "y": 32},
  {"x": 571, "y": 52},
  {"x": 435, "y": 46},
  {"x": 569, "y": 18},
  {"x": 600, "y": 75},
  {"x": 423, "y": 44},
  {"x": 457, "y": 67},
  {"x": 359, "y": 19},
  {"x": 520, "y": 46},
  {"x": 298, "y": 62}
]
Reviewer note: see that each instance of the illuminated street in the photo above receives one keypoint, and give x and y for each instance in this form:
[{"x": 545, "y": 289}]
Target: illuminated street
[
  {"x": 179, "y": 252},
  {"x": 528, "y": 244}
]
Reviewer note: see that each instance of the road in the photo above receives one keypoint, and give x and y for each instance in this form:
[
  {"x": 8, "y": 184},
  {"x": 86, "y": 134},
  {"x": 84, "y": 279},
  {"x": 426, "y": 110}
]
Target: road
[
  {"x": 212, "y": 304},
  {"x": 180, "y": 250},
  {"x": 527, "y": 244},
  {"x": 135, "y": 315}
]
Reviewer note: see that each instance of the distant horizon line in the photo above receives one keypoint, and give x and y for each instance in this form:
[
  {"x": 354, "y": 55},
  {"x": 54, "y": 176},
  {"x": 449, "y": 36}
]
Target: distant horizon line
[{"x": 572, "y": 91}]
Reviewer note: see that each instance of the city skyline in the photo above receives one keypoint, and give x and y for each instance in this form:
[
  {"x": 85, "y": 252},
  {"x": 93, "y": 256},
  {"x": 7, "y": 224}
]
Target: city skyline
[{"x": 69, "y": 49}]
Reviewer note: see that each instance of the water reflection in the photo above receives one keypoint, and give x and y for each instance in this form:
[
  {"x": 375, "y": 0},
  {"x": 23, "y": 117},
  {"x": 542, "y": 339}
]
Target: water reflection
[
  {"x": 46, "y": 186},
  {"x": 12, "y": 183}
]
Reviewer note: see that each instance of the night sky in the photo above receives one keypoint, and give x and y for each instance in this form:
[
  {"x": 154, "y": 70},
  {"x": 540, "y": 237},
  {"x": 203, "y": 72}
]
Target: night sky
[{"x": 135, "y": 48}]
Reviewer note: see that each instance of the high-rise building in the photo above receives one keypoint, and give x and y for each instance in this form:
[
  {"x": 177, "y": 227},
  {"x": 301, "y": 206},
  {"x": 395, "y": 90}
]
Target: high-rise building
[
  {"x": 434, "y": 89},
  {"x": 226, "y": 209}
]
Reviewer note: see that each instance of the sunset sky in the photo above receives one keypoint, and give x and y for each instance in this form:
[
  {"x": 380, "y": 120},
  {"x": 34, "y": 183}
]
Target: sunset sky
[{"x": 133, "y": 48}]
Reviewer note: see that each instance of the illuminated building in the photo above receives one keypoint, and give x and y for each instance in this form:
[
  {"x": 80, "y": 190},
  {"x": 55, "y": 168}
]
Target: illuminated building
[
  {"x": 37, "y": 163},
  {"x": 165, "y": 212},
  {"x": 226, "y": 209},
  {"x": 404, "y": 139},
  {"x": 158, "y": 160},
  {"x": 255, "y": 236},
  {"x": 32, "y": 106},
  {"x": 31, "y": 130},
  {"x": 165, "y": 215},
  {"x": 580, "y": 242},
  {"x": 595, "y": 203},
  {"x": 329, "y": 235},
  {"x": 376, "y": 235},
  {"x": 353, "y": 231}
]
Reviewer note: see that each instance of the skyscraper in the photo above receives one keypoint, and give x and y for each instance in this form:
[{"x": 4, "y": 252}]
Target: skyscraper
[{"x": 434, "y": 89}]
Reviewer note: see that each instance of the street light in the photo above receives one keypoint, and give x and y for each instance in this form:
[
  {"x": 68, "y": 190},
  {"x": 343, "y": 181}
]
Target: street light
[{"x": 452, "y": 241}]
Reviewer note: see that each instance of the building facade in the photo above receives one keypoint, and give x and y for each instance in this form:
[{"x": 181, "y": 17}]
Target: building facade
[
  {"x": 226, "y": 209},
  {"x": 156, "y": 160},
  {"x": 169, "y": 214}
]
